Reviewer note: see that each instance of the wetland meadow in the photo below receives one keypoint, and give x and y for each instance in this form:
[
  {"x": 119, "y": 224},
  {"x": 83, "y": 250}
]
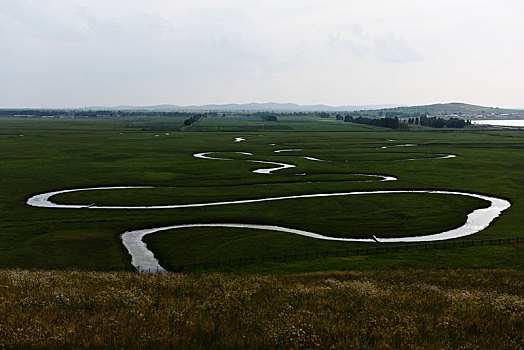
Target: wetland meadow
[{"x": 84, "y": 196}]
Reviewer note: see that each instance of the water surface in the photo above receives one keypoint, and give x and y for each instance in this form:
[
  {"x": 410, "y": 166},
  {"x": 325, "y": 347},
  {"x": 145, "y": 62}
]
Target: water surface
[{"x": 519, "y": 123}]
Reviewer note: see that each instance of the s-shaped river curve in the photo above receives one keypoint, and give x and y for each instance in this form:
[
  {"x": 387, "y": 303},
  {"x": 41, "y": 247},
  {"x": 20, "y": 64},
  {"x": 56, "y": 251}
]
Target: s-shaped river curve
[{"x": 144, "y": 260}]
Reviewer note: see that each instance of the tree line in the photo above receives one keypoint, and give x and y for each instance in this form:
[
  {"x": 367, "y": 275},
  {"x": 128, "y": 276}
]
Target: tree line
[
  {"x": 268, "y": 117},
  {"x": 194, "y": 118},
  {"x": 392, "y": 123},
  {"x": 36, "y": 113},
  {"x": 435, "y": 122}
]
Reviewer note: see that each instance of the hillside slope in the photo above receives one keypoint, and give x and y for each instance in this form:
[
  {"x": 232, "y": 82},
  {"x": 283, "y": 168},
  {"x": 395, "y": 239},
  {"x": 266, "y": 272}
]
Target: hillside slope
[{"x": 449, "y": 109}]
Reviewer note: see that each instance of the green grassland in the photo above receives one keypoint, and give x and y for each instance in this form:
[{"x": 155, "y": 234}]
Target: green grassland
[
  {"x": 285, "y": 123},
  {"x": 55, "y": 154}
]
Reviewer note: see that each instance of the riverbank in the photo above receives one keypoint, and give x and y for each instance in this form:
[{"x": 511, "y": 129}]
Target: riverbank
[{"x": 382, "y": 309}]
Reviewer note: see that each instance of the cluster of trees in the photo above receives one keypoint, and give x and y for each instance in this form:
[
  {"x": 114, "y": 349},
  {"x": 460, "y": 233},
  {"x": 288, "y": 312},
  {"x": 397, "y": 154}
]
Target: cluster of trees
[
  {"x": 268, "y": 117},
  {"x": 392, "y": 123},
  {"x": 435, "y": 122},
  {"x": 193, "y": 119},
  {"x": 413, "y": 120}
]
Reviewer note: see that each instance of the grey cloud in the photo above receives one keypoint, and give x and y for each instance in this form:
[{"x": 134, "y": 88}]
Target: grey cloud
[
  {"x": 391, "y": 49},
  {"x": 385, "y": 48},
  {"x": 77, "y": 52},
  {"x": 46, "y": 21}
]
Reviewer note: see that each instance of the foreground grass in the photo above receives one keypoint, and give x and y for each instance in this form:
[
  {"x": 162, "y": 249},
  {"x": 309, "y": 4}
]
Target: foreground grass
[{"x": 385, "y": 309}]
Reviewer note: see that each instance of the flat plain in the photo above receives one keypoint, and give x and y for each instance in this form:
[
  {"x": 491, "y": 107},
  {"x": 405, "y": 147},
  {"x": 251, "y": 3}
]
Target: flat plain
[
  {"x": 52, "y": 260},
  {"x": 42, "y": 155}
]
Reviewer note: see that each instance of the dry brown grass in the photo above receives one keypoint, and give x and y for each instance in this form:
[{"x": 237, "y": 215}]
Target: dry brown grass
[{"x": 459, "y": 309}]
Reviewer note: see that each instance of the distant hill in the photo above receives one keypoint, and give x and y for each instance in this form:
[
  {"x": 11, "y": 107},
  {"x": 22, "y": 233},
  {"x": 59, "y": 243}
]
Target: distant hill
[
  {"x": 449, "y": 108},
  {"x": 249, "y": 107}
]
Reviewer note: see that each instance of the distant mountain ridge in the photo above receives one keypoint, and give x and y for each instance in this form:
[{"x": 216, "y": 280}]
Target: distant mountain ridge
[
  {"x": 457, "y": 108},
  {"x": 249, "y": 107}
]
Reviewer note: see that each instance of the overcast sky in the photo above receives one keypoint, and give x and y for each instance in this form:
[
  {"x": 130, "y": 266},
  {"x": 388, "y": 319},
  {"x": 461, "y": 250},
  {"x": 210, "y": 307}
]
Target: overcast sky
[{"x": 72, "y": 53}]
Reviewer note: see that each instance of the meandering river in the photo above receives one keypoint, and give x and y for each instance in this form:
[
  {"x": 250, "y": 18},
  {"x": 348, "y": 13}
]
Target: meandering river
[{"x": 144, "y": 260}]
